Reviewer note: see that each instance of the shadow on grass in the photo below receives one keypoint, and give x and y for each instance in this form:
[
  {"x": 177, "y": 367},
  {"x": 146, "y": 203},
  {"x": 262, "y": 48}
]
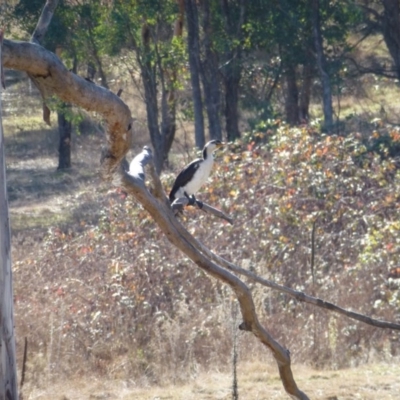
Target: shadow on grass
[{"x": 31, "y": 144}]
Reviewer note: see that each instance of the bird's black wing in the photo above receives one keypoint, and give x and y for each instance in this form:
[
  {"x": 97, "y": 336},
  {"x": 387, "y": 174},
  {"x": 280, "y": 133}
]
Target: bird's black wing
[{"x": 184, "y": 177}]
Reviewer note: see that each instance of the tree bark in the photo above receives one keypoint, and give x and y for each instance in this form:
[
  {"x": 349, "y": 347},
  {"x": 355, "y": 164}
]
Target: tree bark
[
  {"x": 391, "y": 30},
  {"x": 292, "y": 95},
  {"x": 322, "y": 67},
  {"x": 169, "y": 79},
  {"x": 8, "y": 370},
  {"x": 194, "y": 65},
  {"x": 44, "y": 21},
  {"x": 232, "y": 69},
  {"x": 64, "y": 133},
  {"x": 55, "y": 79},
  {"x": 305, "y": 93},
  {"x": 149, "y": 79},
  {"x": 210, "y": 77}
]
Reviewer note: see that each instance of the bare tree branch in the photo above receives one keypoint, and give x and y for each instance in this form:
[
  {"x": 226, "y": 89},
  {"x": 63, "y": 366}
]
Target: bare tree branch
[
  {"x": 55, "y": 78},
  {"x": 300, "y": 296},
  {"x": 44, "y": 21},
  {"x": 178, "y": 236},
  {"x": 178, "y": 205}
]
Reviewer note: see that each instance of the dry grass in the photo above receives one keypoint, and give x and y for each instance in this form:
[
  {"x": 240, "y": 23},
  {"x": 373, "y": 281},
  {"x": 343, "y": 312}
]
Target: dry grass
[
  {"x": 257, "y": 381},
  {"x": 83, "y": 255}
]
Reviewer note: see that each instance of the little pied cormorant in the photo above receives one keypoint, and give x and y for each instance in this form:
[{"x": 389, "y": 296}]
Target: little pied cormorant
[{"x": 194, "y": 175}]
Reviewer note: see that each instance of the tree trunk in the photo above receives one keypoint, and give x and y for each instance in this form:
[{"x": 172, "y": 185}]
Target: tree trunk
[
  {"x": 168, "y": 102},
  {"x": 209, "y": 75},
  {"x": 232, "y": 69},
  {"x": 64, "y": 132},
  {"x": 194, "y": 64},
  {"x": 64, "y": 128},
  {"x": 391, "y": 30},
  {"x": 168, "y": 125},
  {"x": 322, "y": 67},
  {"x": 292, "y": 95},
  {"x": 231, "y": 83},
  {"x": 95, "y": 56},
  {"x": 305, "y": 93},
  {"x": 8, "y": 370},
  {"x": 90, "y": 71},
  {"x": 149, "y": 79}
]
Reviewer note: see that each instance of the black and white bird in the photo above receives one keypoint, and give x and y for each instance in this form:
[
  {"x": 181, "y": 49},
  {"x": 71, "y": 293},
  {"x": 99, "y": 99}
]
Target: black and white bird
[{"x": 194, "y": 175}]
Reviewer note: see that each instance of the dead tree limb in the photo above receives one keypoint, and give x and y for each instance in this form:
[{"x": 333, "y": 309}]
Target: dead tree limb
[
  {"x": 178, "y": 235},
  {"x": 178, "y": 205},
  {"x": 55, "y": 79},
  {"x": 300, "y": 296}
]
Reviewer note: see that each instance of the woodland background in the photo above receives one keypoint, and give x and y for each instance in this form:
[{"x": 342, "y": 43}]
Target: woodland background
[{"x": 313, "y": 189}]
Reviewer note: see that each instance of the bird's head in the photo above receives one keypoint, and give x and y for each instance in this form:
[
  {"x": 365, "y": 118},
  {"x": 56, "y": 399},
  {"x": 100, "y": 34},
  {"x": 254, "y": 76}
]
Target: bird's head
[
  {"x": 210, "y": 147},
  {"x": 214, "y": 145}
]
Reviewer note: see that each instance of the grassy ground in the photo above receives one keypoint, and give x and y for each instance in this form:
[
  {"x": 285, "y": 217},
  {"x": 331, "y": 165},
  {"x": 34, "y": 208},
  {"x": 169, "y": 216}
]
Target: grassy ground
[{"x": 256, "y": 382}]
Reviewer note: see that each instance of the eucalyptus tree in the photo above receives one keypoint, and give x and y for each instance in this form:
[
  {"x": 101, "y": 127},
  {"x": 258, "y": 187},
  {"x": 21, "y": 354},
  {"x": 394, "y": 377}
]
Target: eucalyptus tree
[
  {"x": 311, "y": 41},
  {"x": 210, "y": 70},
  {"x": 193, "y": 45},
  {"x": 149, "y": 34},
  {"x": 383, "y": 16},
  {"x": 391, "y": 30}
]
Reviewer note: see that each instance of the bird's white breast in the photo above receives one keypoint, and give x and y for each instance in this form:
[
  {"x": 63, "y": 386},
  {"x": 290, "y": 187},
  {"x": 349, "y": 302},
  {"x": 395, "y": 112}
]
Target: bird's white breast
[{"x": 200, "y": 177}]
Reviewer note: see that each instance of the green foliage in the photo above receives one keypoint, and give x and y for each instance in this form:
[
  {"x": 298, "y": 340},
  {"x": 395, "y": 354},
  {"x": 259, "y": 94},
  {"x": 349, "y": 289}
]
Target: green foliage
[{"x": 71, "y": 114}]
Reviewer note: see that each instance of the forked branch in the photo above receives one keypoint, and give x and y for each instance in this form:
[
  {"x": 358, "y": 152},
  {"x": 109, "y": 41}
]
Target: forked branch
[{"x": 180, "y": 237}]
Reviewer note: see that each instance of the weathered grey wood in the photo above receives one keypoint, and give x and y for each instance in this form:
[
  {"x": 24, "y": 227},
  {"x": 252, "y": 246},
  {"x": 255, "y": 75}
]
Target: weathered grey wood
[
  {"x": 8, "y": 370},
  {"x": 178, "y": 205}
]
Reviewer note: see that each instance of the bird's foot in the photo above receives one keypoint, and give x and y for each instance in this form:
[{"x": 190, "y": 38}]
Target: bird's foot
[{"x": 192, "y": 200}]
